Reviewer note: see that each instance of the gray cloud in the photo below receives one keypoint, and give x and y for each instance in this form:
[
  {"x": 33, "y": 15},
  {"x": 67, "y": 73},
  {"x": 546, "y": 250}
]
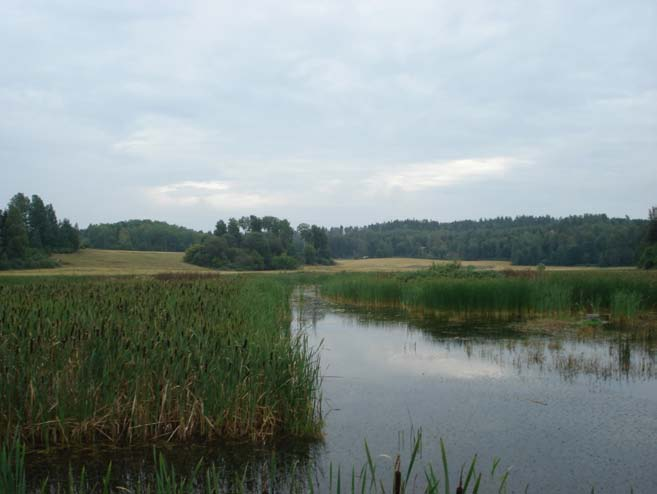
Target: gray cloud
[{"x": 333, "y": 112}]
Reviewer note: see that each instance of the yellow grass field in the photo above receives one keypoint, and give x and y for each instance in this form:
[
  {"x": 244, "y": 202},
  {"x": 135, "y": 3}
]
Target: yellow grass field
[
  {"x": 95, "y": 262},
  {"x": 398, "y": 264}
]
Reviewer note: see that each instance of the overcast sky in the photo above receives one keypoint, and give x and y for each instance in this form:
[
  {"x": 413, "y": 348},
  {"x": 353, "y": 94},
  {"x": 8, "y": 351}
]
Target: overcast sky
[{"x": 329, "y": 112}]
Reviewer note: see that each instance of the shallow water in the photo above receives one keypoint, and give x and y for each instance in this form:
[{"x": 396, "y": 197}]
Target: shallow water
[{"x": 564, "y": 413}]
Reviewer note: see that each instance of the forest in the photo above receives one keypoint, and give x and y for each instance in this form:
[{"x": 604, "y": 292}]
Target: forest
[
  {"x": 648, "y": 259},
  {"x": 256, "y": 243},
  {"x": 586, "y": 240},
  {"x": 30, "y": 231},
  {"x": 140, "y": 235}
]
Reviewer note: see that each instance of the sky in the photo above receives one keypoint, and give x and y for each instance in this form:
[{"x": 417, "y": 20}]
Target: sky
[{"x": 335, "y": 113}]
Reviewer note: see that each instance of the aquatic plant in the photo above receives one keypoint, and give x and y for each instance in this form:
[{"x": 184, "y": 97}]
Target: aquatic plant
[
  {"x": 625, "y": 304},
  {"x": 209, "y": 479},
  {"x": 554, "y": 294},
  {"x": 146, "y": 360}
]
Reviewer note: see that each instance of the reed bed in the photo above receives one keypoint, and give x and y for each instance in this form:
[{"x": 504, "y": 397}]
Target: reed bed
[
  {"x": 624, "y": 295},
  {"x": 146, "y": 360}
]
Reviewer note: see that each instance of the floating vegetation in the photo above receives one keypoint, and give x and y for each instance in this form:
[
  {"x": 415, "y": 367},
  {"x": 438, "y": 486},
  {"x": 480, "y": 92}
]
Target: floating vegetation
[{"x": 145, "y": 360}]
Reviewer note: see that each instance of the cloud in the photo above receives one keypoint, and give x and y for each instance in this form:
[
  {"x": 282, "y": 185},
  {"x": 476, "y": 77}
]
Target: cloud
[
  {"x": 416, "y": 177},
  {"x": 165, "y": 137},
  {"x": 213, "y": 194},
  {"x": 278, "y": 99},
  {"x": 199, "y": 186}
]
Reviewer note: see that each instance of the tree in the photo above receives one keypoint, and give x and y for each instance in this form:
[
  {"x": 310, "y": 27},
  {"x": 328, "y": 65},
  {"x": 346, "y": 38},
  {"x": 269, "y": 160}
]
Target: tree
[
  {"x": 50, "y": 235},
  {"x": 583, "y": 239},
  {"x": 220, "y": 228},
  {"x": 248, "y": 243},
  {"x": 141, "y": 235},
  {"x": 29, "y": 231},
  {"x": 3, "y": 216},
  {"x": 255, "y": 224},
  {"x": 652, "y": 225},
  {"x": 16, "y": 236},
  {"x": 648, "y": 259},
  {"x": 21, "y": 202},
  {"x": 304, "y": 231},
  {"x": 37, "y": 221},
  {"x": 69, "y": 236},
  {"x": 234, "y": 231}
]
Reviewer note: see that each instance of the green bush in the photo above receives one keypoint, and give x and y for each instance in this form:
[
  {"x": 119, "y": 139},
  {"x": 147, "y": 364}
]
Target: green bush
[{"x": 284, "y": 262}]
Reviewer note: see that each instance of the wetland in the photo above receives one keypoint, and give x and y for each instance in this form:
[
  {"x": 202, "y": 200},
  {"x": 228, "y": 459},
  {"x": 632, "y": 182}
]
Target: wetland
[{"x": 547, "y": 404}]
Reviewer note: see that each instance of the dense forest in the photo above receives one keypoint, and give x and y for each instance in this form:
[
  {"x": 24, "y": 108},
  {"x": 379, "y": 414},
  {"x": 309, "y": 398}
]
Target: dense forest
[
  {"x": 595, "y": 240},
  {"x": 648, "y": 258},
  {"x": 30, "y": 231},
  {"x": 140, "y": 235},
  {"x": 256, "y": 243}
]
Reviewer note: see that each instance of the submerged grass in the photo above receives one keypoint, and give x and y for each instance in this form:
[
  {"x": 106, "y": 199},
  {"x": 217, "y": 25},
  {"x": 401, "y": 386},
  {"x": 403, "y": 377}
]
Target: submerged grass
[
  {"x": 467, "y": 292},
  {"x": 145, "y": 360}
]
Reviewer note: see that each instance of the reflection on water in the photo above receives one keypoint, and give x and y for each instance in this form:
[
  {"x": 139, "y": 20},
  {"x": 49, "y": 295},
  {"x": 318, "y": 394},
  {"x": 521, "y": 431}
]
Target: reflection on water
[
  {"x": 573, "y": 407},
  {"x": 565, "y": 410},
  {"x": 603, "y": 353},
  {"x": 238, "y": 466}
]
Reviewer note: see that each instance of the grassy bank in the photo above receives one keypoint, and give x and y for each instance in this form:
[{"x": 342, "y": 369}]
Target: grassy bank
[
  {"x": 143, "y": 360},
  {"x": 467, "y": 292}
]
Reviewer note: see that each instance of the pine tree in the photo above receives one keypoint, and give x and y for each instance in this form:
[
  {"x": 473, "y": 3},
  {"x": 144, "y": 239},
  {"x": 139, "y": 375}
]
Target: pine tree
[
  {"x": 16, "y": 237},
  {"x": 50, "y": 234},
  {"x": 3, "y": 215},
  {"x": 37, "y": 221}
]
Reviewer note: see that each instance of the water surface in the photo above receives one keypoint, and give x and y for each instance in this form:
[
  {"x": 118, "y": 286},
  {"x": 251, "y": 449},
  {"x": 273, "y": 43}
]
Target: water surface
[{"x": 564, "y": 412}]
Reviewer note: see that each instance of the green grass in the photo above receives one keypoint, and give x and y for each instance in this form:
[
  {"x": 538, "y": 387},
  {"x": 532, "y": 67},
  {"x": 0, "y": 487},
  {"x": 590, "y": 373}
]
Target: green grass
[{"x": 147, "y": 360}]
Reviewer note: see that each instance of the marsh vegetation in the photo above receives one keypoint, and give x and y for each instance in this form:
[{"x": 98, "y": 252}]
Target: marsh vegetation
[
  {"x": 222, "y": 375},
  {"x": 465, "y": 292},
  {"x": 142, "y": 360}
]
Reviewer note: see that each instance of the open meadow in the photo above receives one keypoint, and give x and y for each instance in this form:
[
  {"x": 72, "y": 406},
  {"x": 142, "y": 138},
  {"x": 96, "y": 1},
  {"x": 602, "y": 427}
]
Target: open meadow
[{"x": 98, "y": 262}]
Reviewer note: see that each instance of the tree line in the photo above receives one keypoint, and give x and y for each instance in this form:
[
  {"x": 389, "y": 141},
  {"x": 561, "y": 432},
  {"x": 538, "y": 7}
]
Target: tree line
[
  {"x": 30, "y": 231},
  {"x": 594, "y": 240},
  {"x": 648, "y": 258},
  {"x": 260, "y": 243},
  {"x": 140, "y": 235}
]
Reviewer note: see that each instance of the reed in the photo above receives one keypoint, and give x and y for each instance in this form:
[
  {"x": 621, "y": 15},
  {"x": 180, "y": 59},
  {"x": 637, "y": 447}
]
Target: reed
[
  {"x": 145, "y": 360},
  {"x": 209, "y": 479},
  {"x": 625, "y": 305},
  {"x": 496, "y": 295}
]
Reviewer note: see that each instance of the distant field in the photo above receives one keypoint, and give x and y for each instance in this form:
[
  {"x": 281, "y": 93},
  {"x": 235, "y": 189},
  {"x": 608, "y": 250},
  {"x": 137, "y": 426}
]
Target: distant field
[
  {"x": 95, "y": 262},
  {"x": 410, "y": 264}
]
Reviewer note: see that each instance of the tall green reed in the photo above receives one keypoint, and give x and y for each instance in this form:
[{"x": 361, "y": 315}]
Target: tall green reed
[
  {"x": 499, "y": 296},
  {"x": 144, "y": 360}
]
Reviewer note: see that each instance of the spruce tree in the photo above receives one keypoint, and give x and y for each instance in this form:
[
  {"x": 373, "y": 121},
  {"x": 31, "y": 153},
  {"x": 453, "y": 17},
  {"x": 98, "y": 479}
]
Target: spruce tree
[{"x": 16, "y": 237}]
